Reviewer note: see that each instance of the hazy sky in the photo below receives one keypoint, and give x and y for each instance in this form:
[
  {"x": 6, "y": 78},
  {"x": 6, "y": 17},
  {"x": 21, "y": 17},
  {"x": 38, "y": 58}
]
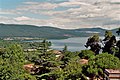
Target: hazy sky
[{"x": 68, "y": 14}]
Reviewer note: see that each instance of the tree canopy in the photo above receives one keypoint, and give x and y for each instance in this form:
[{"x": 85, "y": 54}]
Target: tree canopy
[
  {"x": 99, "y": 63},
  {"x": 12, "y": 61}
]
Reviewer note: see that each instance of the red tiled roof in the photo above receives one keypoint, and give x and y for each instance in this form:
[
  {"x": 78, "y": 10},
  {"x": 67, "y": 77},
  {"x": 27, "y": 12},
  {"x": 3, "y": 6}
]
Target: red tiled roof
[
  {"x": 83, "y": 61},
  {"x": 57, "y": 52},
  {"x": 113, "y": 71}
]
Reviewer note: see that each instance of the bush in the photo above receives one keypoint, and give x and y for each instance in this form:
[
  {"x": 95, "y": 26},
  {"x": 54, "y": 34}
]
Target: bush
[
  {"x": 99, "y": 63},
  {"x": 86, "y": 54}
]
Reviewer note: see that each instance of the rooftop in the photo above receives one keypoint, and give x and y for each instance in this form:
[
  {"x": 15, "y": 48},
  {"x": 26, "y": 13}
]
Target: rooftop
[
  {"x": 113, "y": 70},
  {"x": 83, "y": 61}
]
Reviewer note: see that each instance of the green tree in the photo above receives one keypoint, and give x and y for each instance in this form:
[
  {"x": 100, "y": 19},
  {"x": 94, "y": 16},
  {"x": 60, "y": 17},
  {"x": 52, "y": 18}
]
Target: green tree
[
  {"x": 98, "y": 64},
  {"x": 118, "y": 45},
  {"x": 96, "y": 38},
  {"x": 72, "y": 71},
  {"x": 45, "y": 45},
  {"x": 86, "y": 54},
  {"x": 12, "y": 61},
  {"x": 110, "y": 41},
  {"x": 93, "y": 42},
  {"x": 65, "y": 48},
  {"x": 108, "y": 35},
  {"x": 118, "y": 32}
]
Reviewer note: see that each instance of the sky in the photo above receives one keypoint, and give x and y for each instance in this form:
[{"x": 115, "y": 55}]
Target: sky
[{"x": 65, "y": 14}]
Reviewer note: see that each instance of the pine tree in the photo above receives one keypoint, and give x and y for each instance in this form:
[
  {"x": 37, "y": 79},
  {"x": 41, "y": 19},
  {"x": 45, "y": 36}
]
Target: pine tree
[{"x": 11, "y": 64}]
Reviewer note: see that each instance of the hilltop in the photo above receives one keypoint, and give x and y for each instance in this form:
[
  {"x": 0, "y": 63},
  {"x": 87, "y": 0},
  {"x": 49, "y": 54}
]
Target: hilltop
[{"x": 15, "y": 30}]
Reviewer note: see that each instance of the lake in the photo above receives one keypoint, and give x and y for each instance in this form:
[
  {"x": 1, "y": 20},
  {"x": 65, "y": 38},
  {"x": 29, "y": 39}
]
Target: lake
[{"x": 73, "y": 44}]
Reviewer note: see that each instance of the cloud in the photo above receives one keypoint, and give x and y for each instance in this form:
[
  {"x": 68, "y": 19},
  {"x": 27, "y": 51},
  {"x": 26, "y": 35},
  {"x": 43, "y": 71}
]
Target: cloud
[
  {"x": 72, "y": 4},
  {"x": 86, "y": 8},
  {"x": 67, "y": 13},
  {"x": 8, "y": 20},
  {"x": 117, "y": 1},
  {"x": 10, "y": 12},
  {"x": 37, "y": 6},
  {"x": 22, "y": 18},
  {"x": 48, "y": 5}
]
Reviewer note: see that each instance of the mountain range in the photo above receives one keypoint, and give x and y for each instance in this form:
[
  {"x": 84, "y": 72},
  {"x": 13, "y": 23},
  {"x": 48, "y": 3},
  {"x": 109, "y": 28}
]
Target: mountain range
[{"x": 15, "y": 30}]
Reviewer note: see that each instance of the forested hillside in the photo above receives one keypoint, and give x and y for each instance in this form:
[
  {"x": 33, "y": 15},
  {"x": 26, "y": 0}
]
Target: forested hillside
[{"x": 13, "y": 30}]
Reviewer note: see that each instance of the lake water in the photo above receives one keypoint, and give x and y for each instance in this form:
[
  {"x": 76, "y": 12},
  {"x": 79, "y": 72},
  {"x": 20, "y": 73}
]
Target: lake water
[{"x": 73, "y": 44}]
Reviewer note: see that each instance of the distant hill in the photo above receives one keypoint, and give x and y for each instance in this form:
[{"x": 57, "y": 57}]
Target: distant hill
[{"x": 14, "y": 30}]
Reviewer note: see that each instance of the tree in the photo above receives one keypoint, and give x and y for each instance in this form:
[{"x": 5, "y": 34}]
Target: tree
[
  {"x": 93, "y": 43},
  {"x": 45, "y": 45},
  {"x": 110, "y": 41},
  {"x": 96, "y": 38},
  {"x": 118, "y": 52},
  {"x": 65, "y": 48},
  {"x": 12, "y": 61},
  {"x": 118, "y": 32},
  {"x": 86, "y": 54},
  {"x": 72, "y": 71},
  {"x": 107, "y": 61},
  {"x": 100, "y": 62},
  {"x": 108, "y": 35},
  {"x": 118, "y": 44}
]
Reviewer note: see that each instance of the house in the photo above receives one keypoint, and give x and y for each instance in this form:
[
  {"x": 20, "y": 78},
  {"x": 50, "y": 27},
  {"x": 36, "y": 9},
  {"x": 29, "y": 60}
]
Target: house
[
  {"x": 83, "y": 61},
  {"x": 8, "y": 39},
  {"x": 29, "y": 67},
  {"x": 112, "y": 74},
  {"x": 58, "y": 53},
  {"x": 30, "y": 50}
]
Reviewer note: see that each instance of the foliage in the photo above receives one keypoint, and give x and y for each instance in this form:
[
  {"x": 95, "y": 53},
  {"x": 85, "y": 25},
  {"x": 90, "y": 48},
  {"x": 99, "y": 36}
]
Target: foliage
[
  {"x": 70, "y": 54},
  {"x": 32, "y": 56},
  {"x": 35, "y": 31},
  {"x": 107, "y": 61},
  {"x": 96, "y": 38},
  {"x": 65, "y": 48},
  {"x": 13, "y": 58},
  {"x": 100, "y": 62},
  {"x": 12, "y": 61},
  {"x": 93, "y": 42},
  {"x": 44, "y": 46},
  {"x": 108, "y": 33},
  {"x": 86, "y": 54},
  {"x": 118, "y": 32},
  {"x": 72, "y": 71},
  {"x": 13, "y": 30}
]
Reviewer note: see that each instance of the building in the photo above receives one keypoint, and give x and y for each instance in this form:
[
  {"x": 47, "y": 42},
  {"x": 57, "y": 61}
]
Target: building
[
  {"x": 31, "y": 68},
  {"x": 30, "y": 50},
  {"x": 83, "y": 61},
  {"x": 112, "y": 74},
  {"x": 59, "y": 54}
]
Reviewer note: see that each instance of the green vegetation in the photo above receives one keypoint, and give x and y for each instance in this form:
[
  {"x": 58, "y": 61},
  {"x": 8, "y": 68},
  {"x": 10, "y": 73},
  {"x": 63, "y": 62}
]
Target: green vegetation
[
  {"x": 118, "y": 32},
  {"x": 73, "y": 71},
  {"x": 45, "y": 63},
  {"x": 93, "y": 42},
  {"x": 11, "y": 64},
  {"x": 108, "y": 34},
  {"x": 12, "y": 30},
  {"x": 86, "y": 54},
  {"x": 99, "y": 63}
]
